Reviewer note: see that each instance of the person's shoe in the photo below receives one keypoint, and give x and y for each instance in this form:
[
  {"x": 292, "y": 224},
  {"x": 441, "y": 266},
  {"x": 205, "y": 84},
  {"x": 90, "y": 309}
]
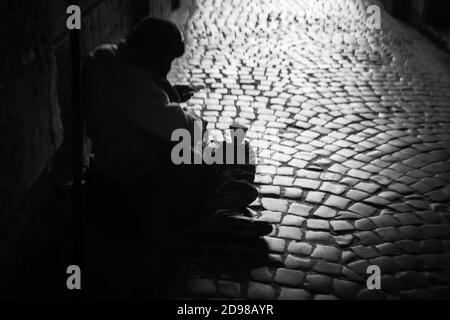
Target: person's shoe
[{"x": 236, "y": 223}]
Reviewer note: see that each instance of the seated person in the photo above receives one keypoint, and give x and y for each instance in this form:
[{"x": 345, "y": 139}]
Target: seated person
[{"x": 132, "y": 110}]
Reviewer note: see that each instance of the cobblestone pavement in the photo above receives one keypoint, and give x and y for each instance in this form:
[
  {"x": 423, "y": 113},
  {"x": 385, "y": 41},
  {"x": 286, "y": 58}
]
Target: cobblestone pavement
[{"x": 355, "y": 169}]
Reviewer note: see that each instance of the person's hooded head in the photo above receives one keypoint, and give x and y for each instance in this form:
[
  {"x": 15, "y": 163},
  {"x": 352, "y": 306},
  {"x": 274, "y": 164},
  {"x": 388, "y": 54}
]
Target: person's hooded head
[{"x": 156, "y": 43}]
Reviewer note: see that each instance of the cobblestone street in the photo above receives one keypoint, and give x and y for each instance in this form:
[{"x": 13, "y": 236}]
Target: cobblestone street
[{"x": 355, "y": 169}]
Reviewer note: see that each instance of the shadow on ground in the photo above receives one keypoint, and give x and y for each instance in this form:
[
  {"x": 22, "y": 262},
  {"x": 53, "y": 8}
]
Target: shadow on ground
[
  {"x": 132, "y": 255},
  {"x": 196, "y": 254}
]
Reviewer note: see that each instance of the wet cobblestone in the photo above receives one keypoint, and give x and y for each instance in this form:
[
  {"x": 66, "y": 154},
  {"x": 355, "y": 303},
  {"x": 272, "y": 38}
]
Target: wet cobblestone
[{"x": 359, "y": 172}]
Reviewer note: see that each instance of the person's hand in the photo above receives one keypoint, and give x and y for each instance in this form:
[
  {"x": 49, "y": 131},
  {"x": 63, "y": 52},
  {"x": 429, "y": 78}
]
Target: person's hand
[
  {"x": 184, "y": 91},
  {"x": 196, "y": 117}
]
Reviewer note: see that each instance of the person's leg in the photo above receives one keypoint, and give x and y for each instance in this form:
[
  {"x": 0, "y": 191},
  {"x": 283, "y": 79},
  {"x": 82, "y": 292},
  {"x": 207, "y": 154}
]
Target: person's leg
[
  {"x": 213, "y": 195},
  {"x": 187, "y": 188},
  {"x": 231, "y": 193},
  {"x": 202, "y": 189},
  {"x": 232, "y": 188}
]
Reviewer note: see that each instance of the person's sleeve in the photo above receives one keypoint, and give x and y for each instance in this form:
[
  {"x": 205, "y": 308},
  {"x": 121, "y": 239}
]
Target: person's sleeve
[{"x": 151, "y": 111}]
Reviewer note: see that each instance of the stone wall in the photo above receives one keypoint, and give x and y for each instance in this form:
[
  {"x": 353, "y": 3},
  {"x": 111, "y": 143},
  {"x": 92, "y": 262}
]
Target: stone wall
[{"x": 36, "y": 149}]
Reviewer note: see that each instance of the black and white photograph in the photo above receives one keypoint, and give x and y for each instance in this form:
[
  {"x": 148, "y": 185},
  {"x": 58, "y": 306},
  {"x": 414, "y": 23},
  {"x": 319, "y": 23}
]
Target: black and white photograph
[{"x": 246, "y": 151}]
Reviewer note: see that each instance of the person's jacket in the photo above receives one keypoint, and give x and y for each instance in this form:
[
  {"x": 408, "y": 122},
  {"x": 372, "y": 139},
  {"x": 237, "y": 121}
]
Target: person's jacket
[{"x": 130, "y": 118}]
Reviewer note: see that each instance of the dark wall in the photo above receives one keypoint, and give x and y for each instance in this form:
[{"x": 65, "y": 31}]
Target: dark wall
[
  {"x": 432, "y": 17},
  {"x": 438, "y": 14},
  {"x": 408, "y": 10},
  {"x": 36, "y": 132}
]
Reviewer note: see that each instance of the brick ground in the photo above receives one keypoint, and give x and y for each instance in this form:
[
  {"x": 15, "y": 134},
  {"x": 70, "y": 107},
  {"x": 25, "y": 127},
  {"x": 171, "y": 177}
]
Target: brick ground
[{"x": 359, "y": 174}]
